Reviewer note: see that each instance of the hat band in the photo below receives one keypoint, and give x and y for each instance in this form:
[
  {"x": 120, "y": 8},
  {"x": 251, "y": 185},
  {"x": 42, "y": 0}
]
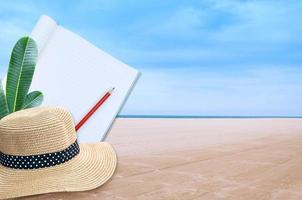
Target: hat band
[{"x": 41, "y": 160}]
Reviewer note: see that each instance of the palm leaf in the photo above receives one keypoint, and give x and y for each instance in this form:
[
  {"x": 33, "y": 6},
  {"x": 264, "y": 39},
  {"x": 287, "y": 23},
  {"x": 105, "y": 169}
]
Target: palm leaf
[
  {"x": 33, "y": 99},
  {"x": 3, "y": 104},
  {"x": 20, "y": 72}
]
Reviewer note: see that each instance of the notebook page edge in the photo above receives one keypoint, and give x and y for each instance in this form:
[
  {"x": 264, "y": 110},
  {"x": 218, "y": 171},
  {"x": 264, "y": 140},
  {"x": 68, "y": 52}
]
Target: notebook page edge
[
  {"x": 105, "y": 135},
  {"x": 42, "y": 31}
]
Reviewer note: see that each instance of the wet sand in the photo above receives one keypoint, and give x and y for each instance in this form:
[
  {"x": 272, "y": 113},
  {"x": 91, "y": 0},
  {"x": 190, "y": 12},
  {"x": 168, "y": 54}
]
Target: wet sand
[{"x": 203, "y": 159}]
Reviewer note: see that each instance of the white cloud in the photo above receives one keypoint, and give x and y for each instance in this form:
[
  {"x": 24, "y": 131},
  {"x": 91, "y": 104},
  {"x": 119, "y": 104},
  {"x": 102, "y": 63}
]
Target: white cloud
[
  {"x": 265, "y": 21},
  {"x": 14, "y": 24},
  {"x": 257, "y": 90},
  {"x": 226, "y": 21},
  {"x": 176, "y": 55},
  {"x": 20, "y": 7},
  {"x": 10, "y": 32},
  {"x": 7, "y": 45},
  {"x": 182, "y": 22},
  {"x": 96, "y": 5}
]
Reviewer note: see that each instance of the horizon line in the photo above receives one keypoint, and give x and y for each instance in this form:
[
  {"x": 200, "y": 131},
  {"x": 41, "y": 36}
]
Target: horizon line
[{"x": 205, "y": 116}]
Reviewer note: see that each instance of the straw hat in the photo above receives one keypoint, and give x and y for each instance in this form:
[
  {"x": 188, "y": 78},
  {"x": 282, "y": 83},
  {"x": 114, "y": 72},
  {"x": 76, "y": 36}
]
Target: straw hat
[{"x": 39, "y": 154}]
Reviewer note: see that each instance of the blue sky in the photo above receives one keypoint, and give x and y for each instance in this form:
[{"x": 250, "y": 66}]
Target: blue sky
[{"x": 206, "y": 57}]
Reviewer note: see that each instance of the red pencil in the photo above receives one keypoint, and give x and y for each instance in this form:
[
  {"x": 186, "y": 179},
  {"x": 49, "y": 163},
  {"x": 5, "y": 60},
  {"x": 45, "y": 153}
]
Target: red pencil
[{"x": 97, "y": 105}]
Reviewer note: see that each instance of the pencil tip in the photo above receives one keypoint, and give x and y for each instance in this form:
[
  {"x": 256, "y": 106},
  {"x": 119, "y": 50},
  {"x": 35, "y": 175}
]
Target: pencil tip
[{"x": 112, "y": 89}]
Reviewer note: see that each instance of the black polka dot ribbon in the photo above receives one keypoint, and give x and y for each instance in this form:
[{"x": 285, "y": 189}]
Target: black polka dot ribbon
[{"x": 41, "y": 160}]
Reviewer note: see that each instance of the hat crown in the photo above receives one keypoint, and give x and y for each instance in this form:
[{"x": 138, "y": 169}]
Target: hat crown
[{"x": 36, "y": 131}]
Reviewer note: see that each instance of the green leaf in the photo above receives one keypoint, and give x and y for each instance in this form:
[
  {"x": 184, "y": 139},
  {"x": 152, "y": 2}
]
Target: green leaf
[
  {"x": 20, "y": 72},
  {"x": 3, "y": 104},
  {"x": 33, "y": 99}
]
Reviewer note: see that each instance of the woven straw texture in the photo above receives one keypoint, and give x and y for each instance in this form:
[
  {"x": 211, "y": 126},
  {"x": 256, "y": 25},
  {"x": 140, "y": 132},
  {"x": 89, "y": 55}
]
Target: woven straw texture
[{"x": 46, "y": 130}]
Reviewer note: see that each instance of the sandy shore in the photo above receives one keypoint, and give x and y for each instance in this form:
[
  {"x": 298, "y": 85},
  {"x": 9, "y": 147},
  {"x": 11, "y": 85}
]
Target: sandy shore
[{"x": 203, "y": 159}]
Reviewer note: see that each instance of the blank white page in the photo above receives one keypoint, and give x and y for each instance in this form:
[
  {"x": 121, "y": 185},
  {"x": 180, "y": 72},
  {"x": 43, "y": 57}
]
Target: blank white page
[{"x": 75, "y": 74}]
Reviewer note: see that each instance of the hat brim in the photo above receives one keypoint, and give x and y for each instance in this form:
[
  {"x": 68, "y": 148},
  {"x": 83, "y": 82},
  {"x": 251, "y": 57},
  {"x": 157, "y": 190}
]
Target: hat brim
[{"x": 93, "y": 167}]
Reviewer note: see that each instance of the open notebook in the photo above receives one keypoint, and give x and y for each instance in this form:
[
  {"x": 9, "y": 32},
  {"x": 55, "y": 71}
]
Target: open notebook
[{"x": 73, "y": 73}]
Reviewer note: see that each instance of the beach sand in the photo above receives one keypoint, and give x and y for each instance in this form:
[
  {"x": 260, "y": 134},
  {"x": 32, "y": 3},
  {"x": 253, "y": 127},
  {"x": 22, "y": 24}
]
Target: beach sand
[{"x": 203, "y": 159}]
